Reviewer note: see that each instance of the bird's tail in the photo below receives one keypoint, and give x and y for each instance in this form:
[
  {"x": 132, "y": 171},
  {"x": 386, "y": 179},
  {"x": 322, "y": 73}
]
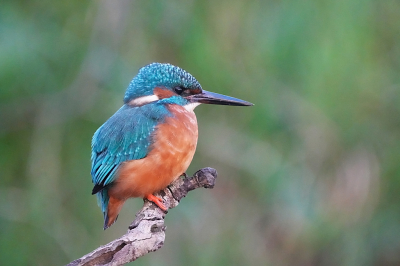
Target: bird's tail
[
  {"x": 110, "y": 207},
  {"x": 102, "y": 201}
]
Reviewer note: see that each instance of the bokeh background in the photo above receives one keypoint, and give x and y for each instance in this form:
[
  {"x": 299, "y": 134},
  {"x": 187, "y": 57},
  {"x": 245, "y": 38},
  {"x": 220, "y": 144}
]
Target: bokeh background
[{"x": 308, "y": 176}]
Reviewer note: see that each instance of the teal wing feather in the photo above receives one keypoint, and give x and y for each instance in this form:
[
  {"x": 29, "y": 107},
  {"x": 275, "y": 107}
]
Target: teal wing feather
[{"x": 126, "y": 136}]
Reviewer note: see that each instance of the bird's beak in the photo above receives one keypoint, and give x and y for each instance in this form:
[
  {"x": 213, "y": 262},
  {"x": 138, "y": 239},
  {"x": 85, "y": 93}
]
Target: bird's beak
[{"x": 215, "y": 98}]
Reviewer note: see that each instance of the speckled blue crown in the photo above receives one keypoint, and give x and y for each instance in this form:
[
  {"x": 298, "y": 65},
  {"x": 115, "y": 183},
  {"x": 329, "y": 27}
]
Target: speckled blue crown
[{"x": 158, "y": 74}]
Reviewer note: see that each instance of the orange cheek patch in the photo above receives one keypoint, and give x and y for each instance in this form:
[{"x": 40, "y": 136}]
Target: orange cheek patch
[
  {"x": 163, "y": 93},
  {"x": 195, "y": 91}
]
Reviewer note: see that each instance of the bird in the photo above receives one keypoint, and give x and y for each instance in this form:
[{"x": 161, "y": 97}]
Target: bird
[{"x": 151, "y": 140}]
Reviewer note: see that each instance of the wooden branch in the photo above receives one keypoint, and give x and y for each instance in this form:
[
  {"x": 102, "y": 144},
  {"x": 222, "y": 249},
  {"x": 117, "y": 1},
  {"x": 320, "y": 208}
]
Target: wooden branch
[{"x": 147, "y": 232}]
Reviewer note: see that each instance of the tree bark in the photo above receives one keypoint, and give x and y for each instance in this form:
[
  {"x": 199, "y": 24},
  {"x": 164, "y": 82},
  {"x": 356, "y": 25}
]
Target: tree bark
[{"x": 147, "y": 232}]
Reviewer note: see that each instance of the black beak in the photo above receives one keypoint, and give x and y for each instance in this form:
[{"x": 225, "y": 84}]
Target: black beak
[{"x": 215, "y": 98}]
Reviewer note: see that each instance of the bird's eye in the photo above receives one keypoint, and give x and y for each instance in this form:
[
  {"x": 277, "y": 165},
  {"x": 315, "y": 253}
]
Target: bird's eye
[{"x": 178, "y": 90}]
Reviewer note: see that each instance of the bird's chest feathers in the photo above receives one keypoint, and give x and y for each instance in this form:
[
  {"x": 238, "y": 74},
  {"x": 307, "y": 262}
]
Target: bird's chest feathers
[
  {"x": 172, "y": 150},
  {"x": 177, "y": 136},
  {"x": 174, "y": 144}
]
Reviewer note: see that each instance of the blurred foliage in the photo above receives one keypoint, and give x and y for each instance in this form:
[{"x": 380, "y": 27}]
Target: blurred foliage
[{"x": 308, "y": 176}]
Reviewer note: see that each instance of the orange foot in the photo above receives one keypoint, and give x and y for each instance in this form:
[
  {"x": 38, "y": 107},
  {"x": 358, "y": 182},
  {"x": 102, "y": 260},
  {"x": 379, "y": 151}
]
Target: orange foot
[{"x": 157, "y": 201}]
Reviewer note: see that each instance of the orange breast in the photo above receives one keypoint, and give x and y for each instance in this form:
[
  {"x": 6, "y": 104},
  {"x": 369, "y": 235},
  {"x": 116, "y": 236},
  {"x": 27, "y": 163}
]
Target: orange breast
[{"x": 172, "y": 151}]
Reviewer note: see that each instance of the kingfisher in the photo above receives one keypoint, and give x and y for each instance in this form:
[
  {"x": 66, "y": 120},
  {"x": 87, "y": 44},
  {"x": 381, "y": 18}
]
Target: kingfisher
[{"x": 150, "y": 141}]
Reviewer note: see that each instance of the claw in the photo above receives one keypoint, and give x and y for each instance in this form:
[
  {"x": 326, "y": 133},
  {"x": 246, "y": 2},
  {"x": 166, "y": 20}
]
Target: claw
[
  {"x": 157, "y": 201},
  {"x": 184, "y": 175}
]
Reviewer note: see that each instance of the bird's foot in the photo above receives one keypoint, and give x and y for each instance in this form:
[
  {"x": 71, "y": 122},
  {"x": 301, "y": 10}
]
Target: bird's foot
[
  {"x": 157, "y": 201},
  {"x": 184, "y": 175}
]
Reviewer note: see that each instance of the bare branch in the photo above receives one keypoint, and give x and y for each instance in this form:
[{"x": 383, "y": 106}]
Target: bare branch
[{"x": 147, "y": 232}]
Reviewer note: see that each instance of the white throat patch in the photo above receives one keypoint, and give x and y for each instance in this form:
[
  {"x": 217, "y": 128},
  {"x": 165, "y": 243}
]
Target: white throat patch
[
  {"x": 144, "y": 100},
  {"x": 190, "y": 107}
]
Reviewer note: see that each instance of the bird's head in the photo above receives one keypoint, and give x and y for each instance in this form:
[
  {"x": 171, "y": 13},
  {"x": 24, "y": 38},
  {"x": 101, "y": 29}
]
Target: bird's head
[{"x": 173, "y": 85}]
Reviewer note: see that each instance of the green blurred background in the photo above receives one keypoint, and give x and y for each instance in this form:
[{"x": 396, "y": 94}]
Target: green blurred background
[{"x": 308, "y": 176}]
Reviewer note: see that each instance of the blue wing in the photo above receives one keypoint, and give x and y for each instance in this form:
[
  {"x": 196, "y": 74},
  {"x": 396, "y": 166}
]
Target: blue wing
[{"x": 127, "y": 135}]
